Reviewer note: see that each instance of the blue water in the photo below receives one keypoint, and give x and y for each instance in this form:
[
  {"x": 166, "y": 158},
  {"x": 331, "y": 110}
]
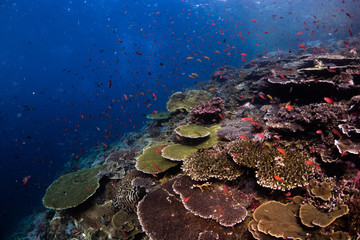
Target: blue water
[{"x": 66, "y": 66}]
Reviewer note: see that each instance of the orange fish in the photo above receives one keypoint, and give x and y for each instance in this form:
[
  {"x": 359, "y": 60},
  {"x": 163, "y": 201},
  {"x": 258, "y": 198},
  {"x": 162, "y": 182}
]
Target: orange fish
[
  {"x": 247, "y": 118},
  {"x": 221, "y": 211},
  {"x": 212, "y": 89},
  {"x": 260, "y": 135},
  {"x": 299, "y": 33},
  {"x": 154, "y": 96},
  {"x": 329, "y": 100},
  {"x": 187, "y": 199},
  {"x": 277, "y": 137},
  {"x": 217, "y": 51},
  {"x": 254, "y": 20},
  {"x": 244, "y": 137},
  {"x": 282, "y": 151},
  {"x": 288, "y": 107},
  {"x": 221, "y": 116},
  {"x": 302, "y": 46},
  {"x": 189, "y": 58},
  {"x": 278, "y": 178},
  {"x": 310, "y": 163},
  {"x": 206, "y": 57}
]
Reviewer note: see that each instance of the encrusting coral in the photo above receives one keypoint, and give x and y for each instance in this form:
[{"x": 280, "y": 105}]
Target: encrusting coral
[
  {"x": 311, "y": 217},
  {"x": 320, "y": 190},
  {"x": 278, "y": 220}
]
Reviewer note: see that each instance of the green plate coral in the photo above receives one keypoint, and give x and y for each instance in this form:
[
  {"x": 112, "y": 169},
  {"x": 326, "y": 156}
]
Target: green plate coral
[
  {"x": 159, "y": 116},
  {"x": 72, "y": 189},
  {"x": 192, "y": 131},
  {"x": 178, "y": 152},
  {"x": 151, "y": 161}
]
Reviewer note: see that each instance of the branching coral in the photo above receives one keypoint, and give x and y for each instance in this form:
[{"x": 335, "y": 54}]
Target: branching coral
[{"x": 202, "y": 166}]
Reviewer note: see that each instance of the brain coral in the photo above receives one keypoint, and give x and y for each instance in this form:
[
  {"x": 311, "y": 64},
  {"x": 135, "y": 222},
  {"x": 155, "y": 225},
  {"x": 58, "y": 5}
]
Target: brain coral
[{"x": 72, "y": 189}]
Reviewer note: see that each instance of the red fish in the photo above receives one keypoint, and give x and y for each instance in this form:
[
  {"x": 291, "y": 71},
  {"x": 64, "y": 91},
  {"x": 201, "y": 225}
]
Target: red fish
[
  {"x": 282, "y": 151},
  {"x": 336, "y": 132},
  {"x": 282, "y": 76},
  {"x": 157, "y": 150},
  {"x": 109, "y": 85},
  {"x": 329, "y": 100},
  {"x": 155, "y": 166},
  {"x": 163, "y": 146},
  {"x": 277, "y": 137},
  {"x": 26, "y": 180},
  {"x": 138, "y": 53},
  {"x": 278, "y": 178},
  {"x": 154, "y": 96},
  {"x": 319, "y": 132},
  {"x": 299, "y": 33},
  {"x": 302, "y": 46},
  {"x": 254, "y": 20},
  {"x": 226, "y": 190},
  {"x": 331, "y": 70}
]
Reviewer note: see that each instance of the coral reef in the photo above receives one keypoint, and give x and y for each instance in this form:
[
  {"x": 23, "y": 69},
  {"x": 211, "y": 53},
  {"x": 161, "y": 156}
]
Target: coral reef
[{"x": 186, "y": 100}]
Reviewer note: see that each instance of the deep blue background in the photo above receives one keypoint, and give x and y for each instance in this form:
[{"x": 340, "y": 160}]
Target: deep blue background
[{"x": 57, "y": 58}]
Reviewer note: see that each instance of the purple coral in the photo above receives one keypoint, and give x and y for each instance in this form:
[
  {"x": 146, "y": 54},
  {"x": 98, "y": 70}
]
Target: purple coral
[{"x": 209, "y": 111}]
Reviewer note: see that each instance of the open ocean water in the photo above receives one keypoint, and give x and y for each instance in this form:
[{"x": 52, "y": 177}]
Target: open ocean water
[{"x": 76, "y": 75}]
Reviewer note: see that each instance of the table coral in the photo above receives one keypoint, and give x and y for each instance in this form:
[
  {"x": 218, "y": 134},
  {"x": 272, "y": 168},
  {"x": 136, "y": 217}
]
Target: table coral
[
  {"x": 72, "y": 189},
  {"x": 219, "y": 202},
  {"x": 151, "y": 161}
]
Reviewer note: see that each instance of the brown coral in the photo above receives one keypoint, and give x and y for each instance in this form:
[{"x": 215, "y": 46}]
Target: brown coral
[{"x": 219, "y": 202}]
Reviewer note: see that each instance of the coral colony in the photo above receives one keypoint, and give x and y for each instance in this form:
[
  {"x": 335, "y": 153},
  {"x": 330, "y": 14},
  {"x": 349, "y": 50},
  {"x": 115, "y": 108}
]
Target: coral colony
[{"x": 253, "y": 153}]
